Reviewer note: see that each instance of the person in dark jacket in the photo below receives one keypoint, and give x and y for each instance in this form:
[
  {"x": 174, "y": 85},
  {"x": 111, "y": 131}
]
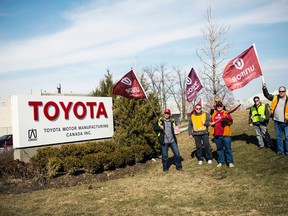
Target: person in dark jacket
[
  {"x": 167, "y": 138},
  {"x": 259, "y": 118},
  {"x": 279, "y": 114},
  {"x": 198, "y": 129}
]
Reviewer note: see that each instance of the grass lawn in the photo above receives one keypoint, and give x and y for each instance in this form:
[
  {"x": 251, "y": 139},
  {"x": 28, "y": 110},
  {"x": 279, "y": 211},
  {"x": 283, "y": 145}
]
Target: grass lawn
[{"x": 257, "y": 185}]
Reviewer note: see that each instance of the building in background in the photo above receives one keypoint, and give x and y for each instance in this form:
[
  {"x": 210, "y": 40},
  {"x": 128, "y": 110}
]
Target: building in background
[{"x": 5, "y": 116}]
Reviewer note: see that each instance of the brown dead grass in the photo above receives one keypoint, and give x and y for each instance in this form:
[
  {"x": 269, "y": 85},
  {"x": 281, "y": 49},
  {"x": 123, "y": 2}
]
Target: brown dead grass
[{"x": 257, "y": 185}]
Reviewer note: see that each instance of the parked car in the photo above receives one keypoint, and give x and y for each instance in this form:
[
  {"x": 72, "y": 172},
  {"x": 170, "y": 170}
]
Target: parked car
[{"x": 6, "y": 139}]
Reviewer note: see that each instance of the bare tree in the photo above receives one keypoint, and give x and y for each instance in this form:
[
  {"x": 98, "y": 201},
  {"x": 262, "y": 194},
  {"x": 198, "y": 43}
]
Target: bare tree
[
  {"x": 178, "y": 90},
  {"x": 170, "y": 84},
  {"x": 211, "y": 55},
  {"x": 160, "y": 81}
]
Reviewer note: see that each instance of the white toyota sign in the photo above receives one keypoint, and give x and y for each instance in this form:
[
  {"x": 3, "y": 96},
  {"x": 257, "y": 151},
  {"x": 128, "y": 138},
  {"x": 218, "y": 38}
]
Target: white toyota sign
[{"x": 45, "y": 120}]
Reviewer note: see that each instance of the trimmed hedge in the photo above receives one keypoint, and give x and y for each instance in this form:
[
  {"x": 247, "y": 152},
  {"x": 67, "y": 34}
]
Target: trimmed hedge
[
  {"x": 71, "y": 164},
  {"x": 54, "y": 166},
  {"x": 93, "y": 157}
]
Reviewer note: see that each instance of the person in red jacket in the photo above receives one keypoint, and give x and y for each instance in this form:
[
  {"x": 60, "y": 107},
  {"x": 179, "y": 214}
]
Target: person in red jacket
[
  {"x": 220, "y": 128},
  {"x": 213, "y": 109}
]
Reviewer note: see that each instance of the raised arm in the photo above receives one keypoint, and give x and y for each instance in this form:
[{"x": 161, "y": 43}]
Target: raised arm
[{"x": 266, "y": 93}]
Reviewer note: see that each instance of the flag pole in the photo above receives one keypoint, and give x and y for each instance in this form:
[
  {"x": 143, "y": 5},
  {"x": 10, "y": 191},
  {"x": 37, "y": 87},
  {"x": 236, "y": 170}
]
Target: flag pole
[
  {"x": 145, "y": 94},
  {"x": 254, "y": 45}
]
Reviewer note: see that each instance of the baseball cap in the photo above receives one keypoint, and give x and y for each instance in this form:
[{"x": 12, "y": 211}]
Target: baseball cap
[{"x": 167, "y": 111}]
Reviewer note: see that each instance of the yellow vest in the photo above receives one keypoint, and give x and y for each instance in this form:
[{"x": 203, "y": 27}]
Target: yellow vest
[
  {"x": 160, "y": 122},
  {"x": 274, "y": 104},
  {"x": 197, "y": 122},
  {"x": 260, "y": 115}
]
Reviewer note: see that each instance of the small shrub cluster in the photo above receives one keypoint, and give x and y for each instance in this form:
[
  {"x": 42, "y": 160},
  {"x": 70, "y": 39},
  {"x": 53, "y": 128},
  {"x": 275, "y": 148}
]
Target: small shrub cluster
[
  {"x": 93, "y": 157},
  {"x": 10, "y": 168},
  {"x": 15, "y": 169},
  {"x": 6, "y": 155}
]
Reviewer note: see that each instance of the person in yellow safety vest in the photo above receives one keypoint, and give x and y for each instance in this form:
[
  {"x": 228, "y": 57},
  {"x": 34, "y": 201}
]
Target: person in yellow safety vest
[
  {"x": 167, "y": 138},
  {"x": 279, "y": 114},
  {"x": 198, "y": 129},
  {"x": 259, "y": 119}
]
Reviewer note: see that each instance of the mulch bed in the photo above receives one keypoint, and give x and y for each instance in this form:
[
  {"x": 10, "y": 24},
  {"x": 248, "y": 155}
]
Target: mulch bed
[{"x": 18, "y": 186}]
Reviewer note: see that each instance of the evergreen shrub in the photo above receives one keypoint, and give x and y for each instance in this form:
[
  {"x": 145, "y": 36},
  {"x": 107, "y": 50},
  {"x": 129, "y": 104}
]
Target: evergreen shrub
[
  {"x": 94, "y": 163},
  {"x": 139, "y": 153},
  {"x": 54, "y": 166},
  {"x": 42, "y": 156},
  {"x": 118, "y": 159},
  {"x": 70, "y": 150},
  {"x": 127, "y": 154},
  {"x": 72, "y": 164}
]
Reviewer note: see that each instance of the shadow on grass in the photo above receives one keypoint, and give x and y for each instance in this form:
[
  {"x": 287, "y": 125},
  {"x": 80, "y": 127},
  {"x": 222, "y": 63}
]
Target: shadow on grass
[
  {"x": 214, "y": 154},
  {"x": 251, "y": 139},
  {"x": 171, "y": 161},
  {"x": 248, "y": 139},
  {"x": 193, "y": 153}
]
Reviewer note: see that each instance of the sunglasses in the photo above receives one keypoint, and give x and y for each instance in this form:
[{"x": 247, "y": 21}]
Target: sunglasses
[
  {"x": 282, "y": 91},
  {"x": 198, "y": 108}
]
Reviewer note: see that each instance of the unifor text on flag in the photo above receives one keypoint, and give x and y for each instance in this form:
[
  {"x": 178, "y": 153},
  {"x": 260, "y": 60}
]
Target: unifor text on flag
[
  {"x": 129, "y": 86},
  {"x": 193, "y": 85},
  {"x": 242, "y": 69}
]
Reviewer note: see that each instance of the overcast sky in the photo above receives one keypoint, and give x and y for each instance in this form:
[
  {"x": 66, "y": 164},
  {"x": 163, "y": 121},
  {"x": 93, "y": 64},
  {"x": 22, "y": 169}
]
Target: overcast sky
[{"x": 73, "y": 42}]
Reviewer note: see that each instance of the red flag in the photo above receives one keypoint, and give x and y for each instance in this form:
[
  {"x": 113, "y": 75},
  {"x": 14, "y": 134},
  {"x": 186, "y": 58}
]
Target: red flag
[
  {"x": 129, "y": 86},
  {"x": 193, "y": 85},
  {"x": 242, "y": 69},
  {"x": 234, "y": 109}
]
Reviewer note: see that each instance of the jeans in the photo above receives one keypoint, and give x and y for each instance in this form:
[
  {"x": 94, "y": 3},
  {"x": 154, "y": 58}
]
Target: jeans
[
  {"x": 198, "y": 141},
  {"x": 165, "y": 159},
  {"x": 223, "y": 144},
  {"x": 281, "y": 127}
]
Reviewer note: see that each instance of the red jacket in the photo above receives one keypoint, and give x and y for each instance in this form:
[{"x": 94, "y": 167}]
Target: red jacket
[{"x": 222, "y": 127}]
